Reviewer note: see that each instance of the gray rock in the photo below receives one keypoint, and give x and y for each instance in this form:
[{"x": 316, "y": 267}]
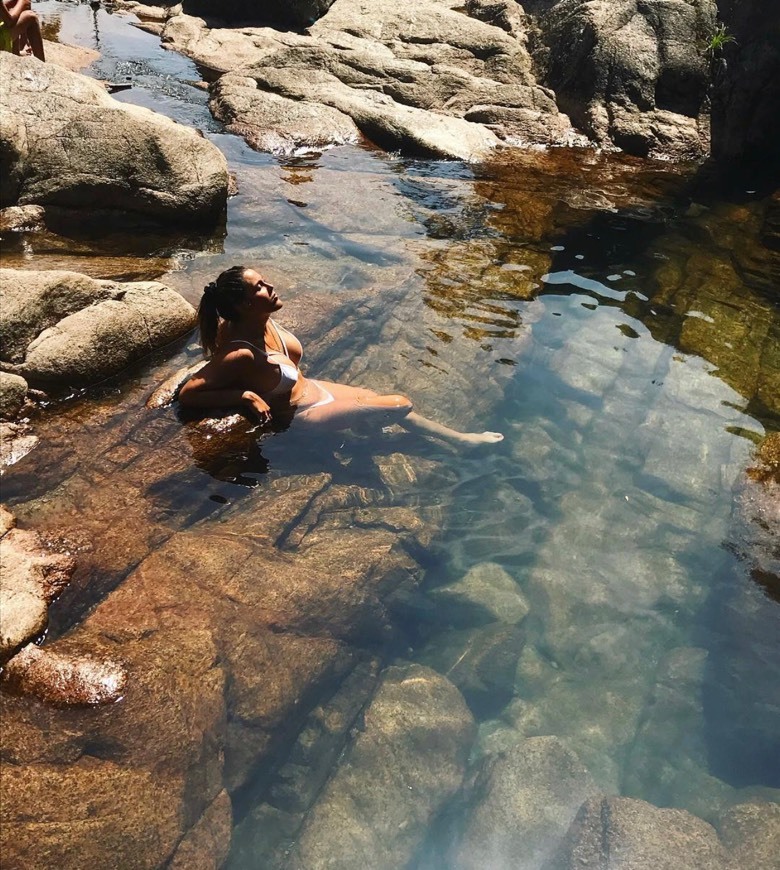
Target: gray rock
[
  {"x": 408, "y": 760},
  {"x": 487, "y": 593},
  {"x": 751, "y": 831},
  {"x": 617, "y": 832},
  {"x": 525, "y": 801},
  {"x": 482, "y": 663},
  {"x": 65, "y": 328},
  {"x": 272, "y": 123},
  {"x": 408, "y": 76},
  {"x": 13, "y": 390},
  {"x": 632, "y": 73},
  {"x": 65, "y": 143}
]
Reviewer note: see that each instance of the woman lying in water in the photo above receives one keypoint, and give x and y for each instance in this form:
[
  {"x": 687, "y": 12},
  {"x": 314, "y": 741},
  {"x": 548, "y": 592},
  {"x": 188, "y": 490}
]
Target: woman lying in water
[{"x": 254, "y": 365}]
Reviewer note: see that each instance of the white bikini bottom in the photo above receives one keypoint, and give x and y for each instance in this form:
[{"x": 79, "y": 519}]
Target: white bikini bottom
[{"x": 325, "y": 398}]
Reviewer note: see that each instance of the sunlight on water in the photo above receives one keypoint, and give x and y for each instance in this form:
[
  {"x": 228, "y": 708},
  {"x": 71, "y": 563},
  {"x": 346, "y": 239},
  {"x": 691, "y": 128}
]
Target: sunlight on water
[{"x": 607, "y": 316}]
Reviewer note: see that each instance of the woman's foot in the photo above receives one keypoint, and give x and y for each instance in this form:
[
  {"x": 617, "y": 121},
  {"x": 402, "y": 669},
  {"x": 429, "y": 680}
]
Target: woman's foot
[{"x": 476, "y": 438}]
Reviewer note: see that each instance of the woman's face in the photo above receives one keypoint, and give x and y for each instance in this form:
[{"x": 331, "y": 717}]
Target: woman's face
[{"x": 260, "y": 296}]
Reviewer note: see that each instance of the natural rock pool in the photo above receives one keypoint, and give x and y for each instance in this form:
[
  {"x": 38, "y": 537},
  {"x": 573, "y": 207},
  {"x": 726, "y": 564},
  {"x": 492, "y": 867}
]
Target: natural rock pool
[{"x": 284, "y": 608}]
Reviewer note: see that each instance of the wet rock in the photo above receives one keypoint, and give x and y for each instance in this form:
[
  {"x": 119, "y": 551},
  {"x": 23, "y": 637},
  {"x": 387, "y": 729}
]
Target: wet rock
[
  {"x": 139, "y": 774},
  {"x": 17, "y": 218},
  {"x": 13, "y": 390},
  {"x": 31, "y": 579},
  {"x": 165, "y": 393},
  {"x": 744, "y": 690},
  {"x": 405, "y": 763},
  {"x": 481, "y": 662},
  {"x": 109, "y": 812},
  {"x": 522, "y": 804},
  {"x": 63, "y": 328},
  {"x": 67, "y": 144},
  {"x": 62, "y": 679},
  {"x": 623, "y": 832},
  {"x": 633, "y": 74},
  {"x": 16, "y": 441},
  {"x": 205, "y": 846},
  {"x": 487, "y": 593},
  {"x": 669, "y": 761},
  {"x": 272, "y": 826},
  {"x": 751, "y": 832}
]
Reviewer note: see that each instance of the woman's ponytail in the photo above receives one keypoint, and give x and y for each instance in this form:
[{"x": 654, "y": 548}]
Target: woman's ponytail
[
  {"x": 208, "y": 318},
  {"x": 220, "y": 299}
]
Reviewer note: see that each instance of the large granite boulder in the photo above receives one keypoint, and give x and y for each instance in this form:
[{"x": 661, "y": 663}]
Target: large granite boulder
[
  {"x": 65, "y": 143},
  {"x": 66, "y": 329},
  {"x": 423, "y": 79},
  {"x": 633, "y": 72}
]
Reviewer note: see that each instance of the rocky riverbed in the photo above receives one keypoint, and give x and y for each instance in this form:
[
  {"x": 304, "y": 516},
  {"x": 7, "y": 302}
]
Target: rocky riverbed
[{"x": 229, "y": 648}]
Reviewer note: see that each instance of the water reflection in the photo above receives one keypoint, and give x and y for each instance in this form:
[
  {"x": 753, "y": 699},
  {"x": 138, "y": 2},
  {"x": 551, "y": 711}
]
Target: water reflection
[{"x": 616, "y": 325}]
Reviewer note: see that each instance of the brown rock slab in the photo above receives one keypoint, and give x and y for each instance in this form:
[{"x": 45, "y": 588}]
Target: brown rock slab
[{"x": 30, "y": 579}]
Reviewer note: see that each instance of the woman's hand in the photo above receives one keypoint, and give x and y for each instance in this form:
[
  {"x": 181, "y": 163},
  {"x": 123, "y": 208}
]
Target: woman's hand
[{"x": 259, "y": 407}]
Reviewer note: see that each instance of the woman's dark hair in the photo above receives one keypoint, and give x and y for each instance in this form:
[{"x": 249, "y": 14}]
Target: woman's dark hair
[{"x": 220, "y": 299}]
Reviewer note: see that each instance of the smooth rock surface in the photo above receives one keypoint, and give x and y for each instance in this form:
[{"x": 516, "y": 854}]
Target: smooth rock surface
[
  {"x": 63, "y": 328},
  {"x": 65, "y": 143},
  {"x": 13, "y": 390}
]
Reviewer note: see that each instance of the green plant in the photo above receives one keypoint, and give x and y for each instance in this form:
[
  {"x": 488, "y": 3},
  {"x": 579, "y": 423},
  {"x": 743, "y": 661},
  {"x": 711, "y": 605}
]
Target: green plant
[{"x": 719, "y": 38}]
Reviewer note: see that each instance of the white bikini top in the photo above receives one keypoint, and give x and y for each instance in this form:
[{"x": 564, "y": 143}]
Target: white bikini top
[{"x": 288, "y": 371}]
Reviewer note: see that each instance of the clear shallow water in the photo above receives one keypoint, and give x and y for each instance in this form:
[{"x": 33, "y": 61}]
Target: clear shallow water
[{"x": 608, "y": 316}]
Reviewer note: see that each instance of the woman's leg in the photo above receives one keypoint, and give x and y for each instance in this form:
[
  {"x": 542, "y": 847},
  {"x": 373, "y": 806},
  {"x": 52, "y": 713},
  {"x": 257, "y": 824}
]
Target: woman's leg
[
  {"x": 28, "y": 29},
  {"x": 356, "y": 406}
]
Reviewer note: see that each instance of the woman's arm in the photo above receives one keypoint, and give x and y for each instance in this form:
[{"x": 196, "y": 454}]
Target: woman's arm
[{"x": 213, "y": 387}]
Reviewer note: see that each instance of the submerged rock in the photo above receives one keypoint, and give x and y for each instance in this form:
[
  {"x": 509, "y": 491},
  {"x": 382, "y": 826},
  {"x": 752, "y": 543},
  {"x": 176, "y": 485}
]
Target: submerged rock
[
  {"x": 66, "y": 329},
  {"x": 751, "y": 832},
  {"x": 65, "y": 144},
  {"x": 407, "y": 760},
  {"x": 481, "y": 662},
  {"x": 522, "y": 804},
  {"x": 487, "y": 593},
  {"x": 623, "y": 832}
]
